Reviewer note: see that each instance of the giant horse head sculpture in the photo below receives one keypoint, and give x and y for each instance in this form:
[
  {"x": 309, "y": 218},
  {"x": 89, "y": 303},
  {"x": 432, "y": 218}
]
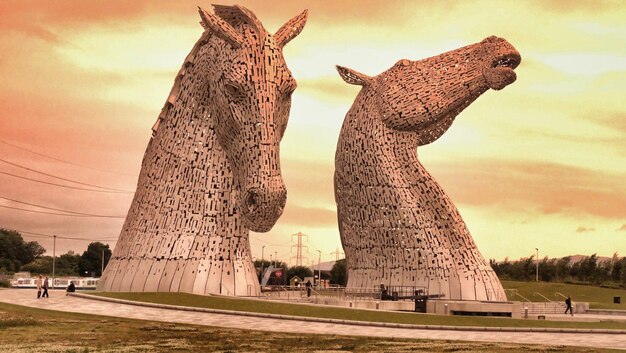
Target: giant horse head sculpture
[
  {"x": 211, "y": 171},
  {"x": 397, "y": 225},
  {"x": 425, "y": 96},
  {"x": 251, "y": 88}
]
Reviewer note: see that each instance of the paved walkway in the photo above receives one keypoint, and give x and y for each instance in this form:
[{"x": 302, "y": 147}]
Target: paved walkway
[{"x": 58, "y": 301}]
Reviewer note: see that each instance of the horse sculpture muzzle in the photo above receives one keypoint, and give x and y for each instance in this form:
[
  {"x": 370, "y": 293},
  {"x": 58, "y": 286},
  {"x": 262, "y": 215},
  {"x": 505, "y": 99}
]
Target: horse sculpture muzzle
[
  {"x": 263, "y": 204},
  {"x": 500, "y": 72}
]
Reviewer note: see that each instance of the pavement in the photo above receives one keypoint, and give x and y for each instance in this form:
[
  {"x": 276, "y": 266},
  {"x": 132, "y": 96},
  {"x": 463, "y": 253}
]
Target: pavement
[{"x": 59, "y": 301}]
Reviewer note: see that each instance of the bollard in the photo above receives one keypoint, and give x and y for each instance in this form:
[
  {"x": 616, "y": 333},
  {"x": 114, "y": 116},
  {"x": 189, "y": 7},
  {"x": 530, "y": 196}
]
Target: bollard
[
  {"x": 350, "y": 303},
  {"x": 526, "y": 313},
  {"x": 377, "y": 304},
  {"x": 445, "y": 308}
]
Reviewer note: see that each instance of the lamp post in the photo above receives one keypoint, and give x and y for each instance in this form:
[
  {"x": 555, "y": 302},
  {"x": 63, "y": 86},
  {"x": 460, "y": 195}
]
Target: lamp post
[
  {"x": 262, "y": 259},
  {"x": 319, "y": 271},
  {"x": 54, "y": 257},
  {"x": 537, "y": 267},
  {"x": 275, "y": 258}
]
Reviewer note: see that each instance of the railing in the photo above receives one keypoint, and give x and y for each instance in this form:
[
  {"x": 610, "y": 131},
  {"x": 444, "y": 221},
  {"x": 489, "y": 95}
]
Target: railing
[
  {"x": 514, "y": 292},
  {"x": 541, "y": 295},
  {"x": 280, "y": 291},
  {"x": 373, "y": 293},
  {"x": 350, "y": 293},
  {"x": 229, "y": 293},
  {"x": 557, "y": 293}
]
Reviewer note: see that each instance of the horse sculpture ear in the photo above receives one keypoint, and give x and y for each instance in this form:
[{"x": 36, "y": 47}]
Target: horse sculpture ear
[
  {"x": 290, "y": 29},
  {"x": 353, "y": 77},
  {"x": 220, "y": 28}
]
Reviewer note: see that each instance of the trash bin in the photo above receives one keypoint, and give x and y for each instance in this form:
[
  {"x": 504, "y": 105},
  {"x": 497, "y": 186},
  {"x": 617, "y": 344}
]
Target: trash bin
[
  {"x": 617, "y": 300},
  {"x": 420, "y": 302},
  {"x": 394, "y": 296}
]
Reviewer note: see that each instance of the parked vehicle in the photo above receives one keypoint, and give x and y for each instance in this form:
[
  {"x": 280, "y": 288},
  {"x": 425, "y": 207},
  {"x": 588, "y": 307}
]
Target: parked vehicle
[{"x": 80, "y": 282}]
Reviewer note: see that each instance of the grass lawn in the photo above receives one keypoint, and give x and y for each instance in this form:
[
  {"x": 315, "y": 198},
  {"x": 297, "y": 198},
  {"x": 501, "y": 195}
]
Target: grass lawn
[
  {"x": 262, "y": 306},
  {"x": 24, "y": 329},
  {"x": 598, "y": 298}
]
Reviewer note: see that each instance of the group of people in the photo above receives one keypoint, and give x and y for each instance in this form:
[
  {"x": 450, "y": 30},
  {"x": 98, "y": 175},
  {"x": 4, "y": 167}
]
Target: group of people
[{"x": 44, "y": 283}]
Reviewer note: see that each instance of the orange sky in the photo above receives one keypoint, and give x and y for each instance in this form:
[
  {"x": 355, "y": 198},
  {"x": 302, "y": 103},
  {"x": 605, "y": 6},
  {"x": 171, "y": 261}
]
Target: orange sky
[{"x": 540, "y": 164}]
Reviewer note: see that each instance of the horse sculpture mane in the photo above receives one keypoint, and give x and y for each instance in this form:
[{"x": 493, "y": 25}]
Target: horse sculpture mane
[
  {"x": 398, "y": 227},
  {"x": 211, "y": 171}
]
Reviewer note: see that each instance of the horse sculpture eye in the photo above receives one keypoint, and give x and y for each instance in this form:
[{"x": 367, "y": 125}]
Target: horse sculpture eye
[{"x": 234, "y": 91}]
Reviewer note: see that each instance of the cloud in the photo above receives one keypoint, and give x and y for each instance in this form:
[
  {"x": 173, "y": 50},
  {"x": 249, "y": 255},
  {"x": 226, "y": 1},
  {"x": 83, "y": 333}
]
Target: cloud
[
  {"x": 565, "y": 6},
  {"x": 582, "y": 229},
  {"x": 76, "y": 12},
  {"x": 616, "y": 121},
  {"x": 328, "y": 88},
  {"x": 622, "y": 228},
  {"x": 309, "y": 216},
  {"x": 526, "y": 185}
]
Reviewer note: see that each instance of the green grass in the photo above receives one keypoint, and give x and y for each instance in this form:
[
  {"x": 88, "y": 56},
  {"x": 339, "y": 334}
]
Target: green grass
[
  {"x": 55, "y": 331},
  {"x": 261, "y": 306},
  {"x": 598, "y": 297}
]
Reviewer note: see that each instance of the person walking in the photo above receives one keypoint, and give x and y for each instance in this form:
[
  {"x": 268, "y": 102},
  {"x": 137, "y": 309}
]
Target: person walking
[
  {"x": 45, "y": 288},
  {"x": 568, "y": 302},
  {"x": 39, "y": 282},
  {"x": 308, "y": 288}
]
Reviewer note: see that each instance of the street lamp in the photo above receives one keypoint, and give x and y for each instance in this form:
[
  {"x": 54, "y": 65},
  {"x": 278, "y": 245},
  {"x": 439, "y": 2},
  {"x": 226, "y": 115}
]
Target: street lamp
[
  {"x": 262, "y": 259},
  {"x": 319, "y": 271},
  {"x": 54, "y": 257},
  {"x": 537, "y": 267},
  {"x": 102, "y": 268}
]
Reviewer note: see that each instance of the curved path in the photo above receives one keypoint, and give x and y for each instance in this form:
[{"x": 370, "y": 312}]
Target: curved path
[{"x": 58, "y": 301}]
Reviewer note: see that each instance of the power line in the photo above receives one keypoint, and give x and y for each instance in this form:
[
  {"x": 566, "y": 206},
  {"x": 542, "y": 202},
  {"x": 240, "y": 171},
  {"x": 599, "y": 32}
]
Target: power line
[
  {"x": 61, "y": 210},
  {"x": 60, "y": 178},
  {"x": 56, "y": 214},
  {"x": 65, "y": 186},
  {"x": 43, "y": 235},
  {"x": 268, "y": 243},
  {"x": 336, "y": 253},
  {"x": 64, "y": 161}
]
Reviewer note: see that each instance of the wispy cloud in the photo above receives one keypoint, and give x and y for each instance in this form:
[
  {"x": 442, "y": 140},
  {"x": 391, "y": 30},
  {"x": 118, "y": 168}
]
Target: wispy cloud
[
  {"x": 549, "y": 148},
  {"x": 547, "y": 187},
  {"x": 309, "y": 216},
  {"x": 582, "y": 229}
]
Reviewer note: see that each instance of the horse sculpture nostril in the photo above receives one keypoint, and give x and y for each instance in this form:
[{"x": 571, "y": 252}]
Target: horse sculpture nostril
[
  {"x": 281, "y": 204},
  {"x": 251, "y": 201}
]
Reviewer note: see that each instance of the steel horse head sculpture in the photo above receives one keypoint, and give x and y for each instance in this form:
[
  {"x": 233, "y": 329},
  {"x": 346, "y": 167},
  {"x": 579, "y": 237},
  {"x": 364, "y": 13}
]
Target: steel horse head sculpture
[
  {"x": 398, "y": 227},
  {"x": 211, "y": 171}
]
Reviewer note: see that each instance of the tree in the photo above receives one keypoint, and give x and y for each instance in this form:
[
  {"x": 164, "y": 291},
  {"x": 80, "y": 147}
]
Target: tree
[
  {"x": 547, "y": 269},
  {"x": 562, "y": 270},
  {"x": 300, "y": 271},
  {"x": 67, "y": 264},
  {"x": 15, "y": 252},
  {"x": 616, "y": 268},
  {"x": 41, "y": 266},
  {"x": 339, "y": 273},
  {"x": 268, "y": 263},
  {"x": 91, "y": 260}
]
